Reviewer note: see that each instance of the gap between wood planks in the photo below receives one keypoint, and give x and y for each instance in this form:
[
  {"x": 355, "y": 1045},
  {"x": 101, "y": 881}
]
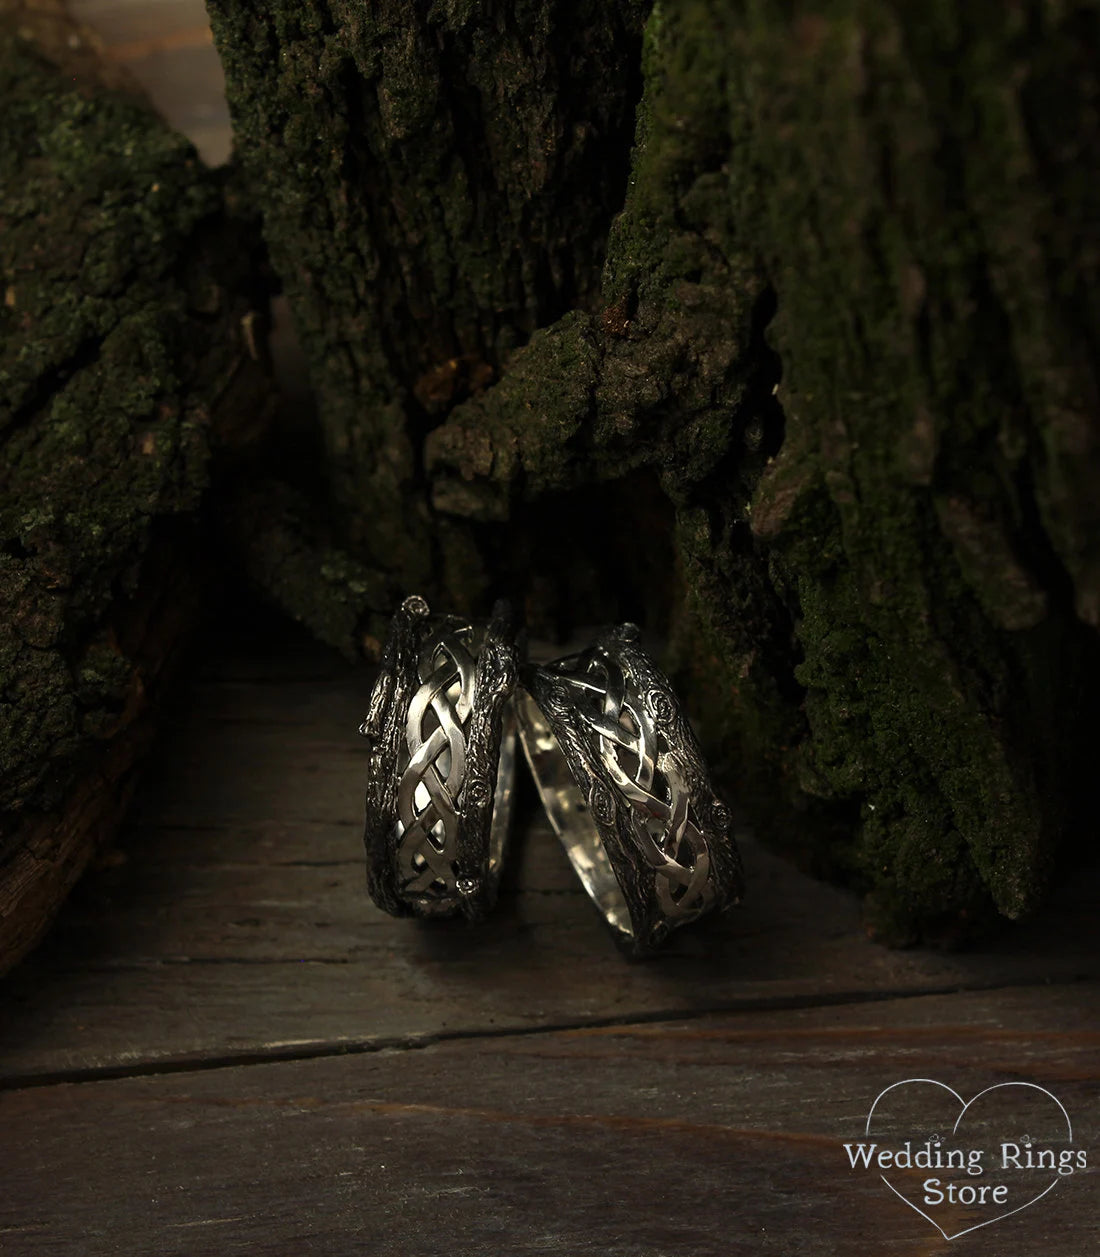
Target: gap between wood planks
[{"x": 281, "y": 1053}]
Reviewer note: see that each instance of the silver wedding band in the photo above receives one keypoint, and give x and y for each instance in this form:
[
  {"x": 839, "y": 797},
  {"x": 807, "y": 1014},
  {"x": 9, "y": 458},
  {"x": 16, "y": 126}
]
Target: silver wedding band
[
  {"x": 616, "y": 763},
  {"x": 626, "y": 789},
  {"x": 442, "y": 738}
]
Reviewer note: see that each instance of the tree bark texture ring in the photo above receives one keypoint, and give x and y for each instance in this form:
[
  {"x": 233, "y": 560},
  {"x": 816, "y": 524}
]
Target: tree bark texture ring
[
  {"x": 441, "y": 728},
  {"x": 626, "y": 789}
]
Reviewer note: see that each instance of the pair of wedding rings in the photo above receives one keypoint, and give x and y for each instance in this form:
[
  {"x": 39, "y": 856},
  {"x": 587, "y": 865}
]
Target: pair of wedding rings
[{"x": 615, "y": 761}]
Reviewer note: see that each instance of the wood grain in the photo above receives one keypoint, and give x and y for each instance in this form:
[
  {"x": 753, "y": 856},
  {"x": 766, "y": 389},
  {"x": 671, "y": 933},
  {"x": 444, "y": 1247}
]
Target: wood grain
[
  {"x": 225, "y": 1045},
  {"x": 234, "y": 920},
  {"x": 721, "y": 1135}
]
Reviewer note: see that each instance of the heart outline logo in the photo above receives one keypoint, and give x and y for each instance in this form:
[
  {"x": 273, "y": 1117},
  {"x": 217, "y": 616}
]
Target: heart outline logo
[{"x": 964, "y": 1105}]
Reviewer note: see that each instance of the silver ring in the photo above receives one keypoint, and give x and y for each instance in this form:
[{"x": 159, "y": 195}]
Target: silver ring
[
  {"x": 441, "y": 728},
  {"x": 625, "y": 787}
]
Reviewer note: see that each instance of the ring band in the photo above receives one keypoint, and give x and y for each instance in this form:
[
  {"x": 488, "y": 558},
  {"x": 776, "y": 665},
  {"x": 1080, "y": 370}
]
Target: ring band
[
  {"x": 441, "y": 728},
  {"x": 626, "y": 790}
]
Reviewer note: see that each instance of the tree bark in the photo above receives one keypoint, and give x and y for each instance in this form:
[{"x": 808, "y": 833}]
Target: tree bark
[
  {"x": 123, "y": 367},
  {"x": 828, "y": 417},
  {"x": 436, "y": 182}
]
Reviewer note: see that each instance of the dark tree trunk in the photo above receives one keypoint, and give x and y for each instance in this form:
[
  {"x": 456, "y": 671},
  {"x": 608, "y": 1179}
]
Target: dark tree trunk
[
  {"x": 828, "y": 417},
  {"x": 436, "y": 183},
  {"x": 123, "y": 366}
]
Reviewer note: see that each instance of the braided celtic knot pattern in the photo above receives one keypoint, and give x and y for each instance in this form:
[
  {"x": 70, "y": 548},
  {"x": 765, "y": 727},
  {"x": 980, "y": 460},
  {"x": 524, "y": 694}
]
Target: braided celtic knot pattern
[
  {"x": 629, "y": 732},
  {"x": 434, "y": 766}
]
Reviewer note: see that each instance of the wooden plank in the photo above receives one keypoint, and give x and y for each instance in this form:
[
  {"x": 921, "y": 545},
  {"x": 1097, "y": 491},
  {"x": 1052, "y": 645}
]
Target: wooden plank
[
  {"x": 234, "y": 918},
  {"x": 719, "y": 1135}
]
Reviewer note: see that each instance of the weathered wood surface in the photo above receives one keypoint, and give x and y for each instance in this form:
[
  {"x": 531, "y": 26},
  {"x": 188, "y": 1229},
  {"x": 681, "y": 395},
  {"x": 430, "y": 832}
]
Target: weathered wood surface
[
  {"x": 225, "y": 1044},
  {"x": 719, "y": 1136},
  {"x": 238, "y": 924}
]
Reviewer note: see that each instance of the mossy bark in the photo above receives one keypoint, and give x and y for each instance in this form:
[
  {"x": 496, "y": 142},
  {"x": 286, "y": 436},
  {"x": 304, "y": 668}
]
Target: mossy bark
[
  {"x": 829, "y": 416},
  {"x": 122, "y": 367},
  {"x": 436, "y": 182}
]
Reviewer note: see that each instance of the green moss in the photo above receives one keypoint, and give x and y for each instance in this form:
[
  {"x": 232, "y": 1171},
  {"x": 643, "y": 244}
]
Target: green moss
[
  {"x": 869, "y": 612},
  {"x": 107, "y": 375},
  {"x": 877, "y": 217},
  {"x": 437, "y": 184}
]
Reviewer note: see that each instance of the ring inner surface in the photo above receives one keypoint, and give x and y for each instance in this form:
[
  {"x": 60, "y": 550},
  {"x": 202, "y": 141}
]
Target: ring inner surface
[
  {"x": 504, "y": 792},
  {"x": 569, "y": 815}
]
